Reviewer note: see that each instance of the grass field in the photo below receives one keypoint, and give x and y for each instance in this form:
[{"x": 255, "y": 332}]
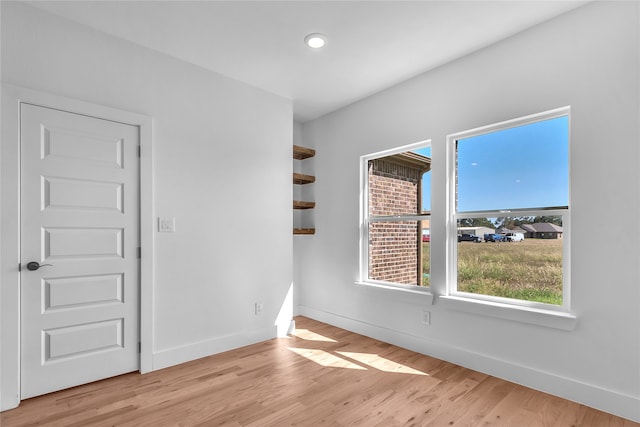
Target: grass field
[{"x": 530, "y": 270}]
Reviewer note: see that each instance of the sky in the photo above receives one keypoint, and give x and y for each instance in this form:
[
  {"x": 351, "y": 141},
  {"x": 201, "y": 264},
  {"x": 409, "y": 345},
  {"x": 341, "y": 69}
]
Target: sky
[
  {"x": 517, "y": 168},
  {"x": 426, "y": 180}
]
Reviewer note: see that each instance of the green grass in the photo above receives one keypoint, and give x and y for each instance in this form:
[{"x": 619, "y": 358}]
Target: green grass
[
  {"x": 530, "y": 270},
  {"x": 426, "y": 264}
]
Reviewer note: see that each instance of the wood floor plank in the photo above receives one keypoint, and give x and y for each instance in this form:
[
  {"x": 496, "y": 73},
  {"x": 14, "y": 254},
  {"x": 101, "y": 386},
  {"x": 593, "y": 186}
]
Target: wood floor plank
[{"x": 321, "y": 376}]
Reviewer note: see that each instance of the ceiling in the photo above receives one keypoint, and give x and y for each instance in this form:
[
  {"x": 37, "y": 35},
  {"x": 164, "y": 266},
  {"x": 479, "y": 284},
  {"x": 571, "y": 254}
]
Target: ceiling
[{"x": 371, "y": 45}]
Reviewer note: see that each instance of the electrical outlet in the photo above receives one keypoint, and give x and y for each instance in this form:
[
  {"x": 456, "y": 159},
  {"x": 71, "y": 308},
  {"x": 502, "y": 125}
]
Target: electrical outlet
[
  {"x": 426, "y": 317},
  {"x": 259, "y": 308},
  {"x": 166, "y": 225}
]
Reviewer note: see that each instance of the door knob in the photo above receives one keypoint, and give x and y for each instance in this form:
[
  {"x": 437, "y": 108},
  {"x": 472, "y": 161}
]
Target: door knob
[{"x": 34, "y": 265}]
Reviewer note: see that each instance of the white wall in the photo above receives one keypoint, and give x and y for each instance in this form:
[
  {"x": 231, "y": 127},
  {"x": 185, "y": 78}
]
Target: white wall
[
  {"x": 587, "y": 59},
  {"x": 222, "y": 168}
]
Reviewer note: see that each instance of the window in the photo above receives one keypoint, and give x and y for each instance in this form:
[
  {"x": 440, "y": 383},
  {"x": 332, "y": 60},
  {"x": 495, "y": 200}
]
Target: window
[
  {"x": 396, "y": 207},
  {"x": 509, "y": 205}
]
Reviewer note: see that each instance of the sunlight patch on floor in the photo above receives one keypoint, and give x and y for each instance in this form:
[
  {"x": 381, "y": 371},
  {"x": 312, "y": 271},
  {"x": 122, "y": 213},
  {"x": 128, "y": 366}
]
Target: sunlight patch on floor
[
  {"x": 381, "y": 363},
  {"x": 308, "y": 335},
  {"x": 325, "y": 359}
]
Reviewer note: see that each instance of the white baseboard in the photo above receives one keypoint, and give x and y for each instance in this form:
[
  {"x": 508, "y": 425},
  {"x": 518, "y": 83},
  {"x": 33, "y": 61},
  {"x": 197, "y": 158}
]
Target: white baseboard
[
  {"x": 613, "y": 402},
  {"x": 188, "y": 352}
]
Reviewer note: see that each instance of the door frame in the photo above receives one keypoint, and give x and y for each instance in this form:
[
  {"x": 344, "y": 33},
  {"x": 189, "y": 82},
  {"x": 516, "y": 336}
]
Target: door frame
[{"x": 12, "y": 97}]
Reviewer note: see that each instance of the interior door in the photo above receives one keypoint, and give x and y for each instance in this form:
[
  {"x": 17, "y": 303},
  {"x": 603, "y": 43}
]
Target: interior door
[{"x": 79, "y": 249}]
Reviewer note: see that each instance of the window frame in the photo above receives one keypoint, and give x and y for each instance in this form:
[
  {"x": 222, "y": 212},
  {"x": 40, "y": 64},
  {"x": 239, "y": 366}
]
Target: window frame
[
  {"x": 453, "y": 216},
  {"x": 366, "y": 219}
]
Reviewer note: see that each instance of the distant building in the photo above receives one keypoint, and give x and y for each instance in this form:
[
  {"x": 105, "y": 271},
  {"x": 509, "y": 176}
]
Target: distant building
[
  {"x": 542, "y": 230},
  {"x": 518, "y": 229},
  {"x": 426, "y": 227},
  {"x": 476, "y": 231}
]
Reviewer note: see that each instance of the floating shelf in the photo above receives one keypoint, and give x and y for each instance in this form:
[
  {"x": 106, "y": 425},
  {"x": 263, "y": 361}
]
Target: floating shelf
[
  {"x": 298, "y": 204},
  {"x": 302, "y": 179},
  {"x": 304, "y": 231},
  {"x": 301, "y": 153}
]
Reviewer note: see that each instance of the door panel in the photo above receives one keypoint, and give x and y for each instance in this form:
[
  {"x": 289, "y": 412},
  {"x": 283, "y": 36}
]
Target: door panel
[
  {"x": 80, "y": 214},
  {"x": 70, "y": 341},
  {"x": 82, "y": 194},
  {"x": 68, "y": 292},
  {"x": 88, "y": 147},
  {"x": 66, "y": 243}
]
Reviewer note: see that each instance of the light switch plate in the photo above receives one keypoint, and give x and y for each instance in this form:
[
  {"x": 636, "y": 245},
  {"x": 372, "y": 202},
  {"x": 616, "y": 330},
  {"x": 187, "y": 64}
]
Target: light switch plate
[
  {"x": 259, "y": 308},
  {"x": 166, "y": 225}
]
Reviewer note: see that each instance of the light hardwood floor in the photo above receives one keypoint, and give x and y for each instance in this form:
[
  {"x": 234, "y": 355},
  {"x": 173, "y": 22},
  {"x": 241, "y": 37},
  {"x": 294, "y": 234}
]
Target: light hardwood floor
[{"x": 323, "y": 376}]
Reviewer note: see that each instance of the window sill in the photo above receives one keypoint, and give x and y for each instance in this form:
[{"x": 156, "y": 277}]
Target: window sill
[
  {"x": 534, "y": 316},
  {"x": 428, "y": 296}
]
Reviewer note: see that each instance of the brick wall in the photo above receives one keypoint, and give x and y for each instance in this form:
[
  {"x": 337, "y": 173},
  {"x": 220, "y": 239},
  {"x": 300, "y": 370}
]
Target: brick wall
[{"x": 394, "y": 246}]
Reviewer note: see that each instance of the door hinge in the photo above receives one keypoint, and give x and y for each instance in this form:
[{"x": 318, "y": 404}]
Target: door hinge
[
  {"x": 139, "y": 151},
  {"x": 19, "y": 267},
  {"x": 139, "y": 252},
  {"x": 139, "y": 347}
]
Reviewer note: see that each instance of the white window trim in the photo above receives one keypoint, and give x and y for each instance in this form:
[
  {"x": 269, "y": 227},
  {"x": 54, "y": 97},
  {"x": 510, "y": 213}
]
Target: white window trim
[
  {"x": 364, "y": 224},
  {"x": 519, "y": 310}
]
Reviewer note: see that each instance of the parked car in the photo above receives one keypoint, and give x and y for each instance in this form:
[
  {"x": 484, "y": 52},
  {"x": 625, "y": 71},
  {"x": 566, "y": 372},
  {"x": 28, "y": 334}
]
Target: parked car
[
  {"x": 426, "y": 238},
  {"x": 514, "y": 237},
  {"x": 494, "y": 237},
  {"x": 469, "y": 238}
]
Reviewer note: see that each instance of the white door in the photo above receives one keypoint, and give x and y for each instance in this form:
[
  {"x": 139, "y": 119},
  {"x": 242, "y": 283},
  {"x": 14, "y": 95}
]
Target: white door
[{"x": 80, "y": 223}]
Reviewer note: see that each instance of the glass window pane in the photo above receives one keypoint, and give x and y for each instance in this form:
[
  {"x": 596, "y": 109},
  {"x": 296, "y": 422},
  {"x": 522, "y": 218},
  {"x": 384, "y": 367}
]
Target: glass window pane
[
  {"x": 521, "y": 167},
  {"x": 399, "y": 252},
  {"x": 425, "y": 256},
  {"x": 426, "y": 181},
  {"x": 523, "y": 262},
  {"x": 396, "y": 184}
]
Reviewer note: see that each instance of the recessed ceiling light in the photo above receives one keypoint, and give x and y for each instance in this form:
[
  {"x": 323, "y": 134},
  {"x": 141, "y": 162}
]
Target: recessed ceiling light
[{"x": 315, "y": 40}]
